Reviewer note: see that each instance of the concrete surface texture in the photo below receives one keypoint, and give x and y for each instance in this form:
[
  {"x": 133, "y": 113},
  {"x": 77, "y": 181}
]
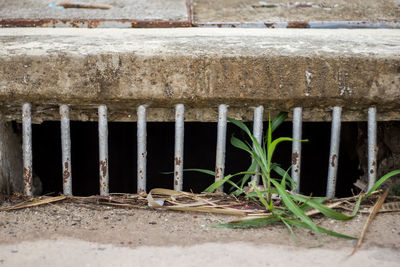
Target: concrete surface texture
[
  {"x": 83, "y": 234},
  {"x": 58, "y": 253},
  {"x": 121, "y": 9},
  {"x": 202, "y": 68},
  {"x": 287, "y": 10}
]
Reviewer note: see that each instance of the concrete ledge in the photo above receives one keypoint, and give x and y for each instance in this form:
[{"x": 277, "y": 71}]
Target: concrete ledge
[{"x": 278, "y": 68}]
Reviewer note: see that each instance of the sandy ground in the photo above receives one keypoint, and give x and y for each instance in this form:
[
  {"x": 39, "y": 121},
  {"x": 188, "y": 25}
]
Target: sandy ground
[
  {"x": 64, "y": 234},
  {"x": 209, "y": 10},
  {"x": 121, "y": 9},
  {"x": 252, "y": 10}
]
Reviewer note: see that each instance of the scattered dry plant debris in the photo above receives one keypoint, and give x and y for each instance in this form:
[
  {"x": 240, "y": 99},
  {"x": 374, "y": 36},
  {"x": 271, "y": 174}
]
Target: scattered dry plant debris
[
  {"x": 371, "y": 216},
  {"x": 220, "y": 203}
]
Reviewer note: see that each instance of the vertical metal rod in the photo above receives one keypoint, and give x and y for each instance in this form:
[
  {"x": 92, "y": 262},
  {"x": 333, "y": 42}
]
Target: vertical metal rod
[
  {"x": 334, "y": 151},
  {"x": 27, "y": 147},
  {"x": 141, "y": 148},
  {"x": 257, "y": 132},
  {"x": 372, "y": 147},
  {"x": 221, "y": 144},
  {"x": 66, "y": 150},
  {"x": 296, "y": 146},
  {"x": 179, "y": 138},
  {"x": 103, "y": 150}
]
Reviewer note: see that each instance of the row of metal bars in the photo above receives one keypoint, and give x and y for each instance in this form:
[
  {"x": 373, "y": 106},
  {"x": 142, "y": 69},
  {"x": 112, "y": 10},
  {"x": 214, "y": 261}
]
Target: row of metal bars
[{"x": 179, "y": 141}]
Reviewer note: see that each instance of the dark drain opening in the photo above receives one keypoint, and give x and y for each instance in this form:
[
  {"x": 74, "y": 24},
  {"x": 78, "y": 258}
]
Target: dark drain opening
[{"x": 200, "y": 142}]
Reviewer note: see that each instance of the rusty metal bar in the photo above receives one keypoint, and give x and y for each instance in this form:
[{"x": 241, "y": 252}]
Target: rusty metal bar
[
  {"x": 257, "y": 132},
  {"x": 93, "y": 23},
  {"x": 141, "y": 148},
  {"x": 27, "y": 147},
  {"x": 334, "y": 151},
  {"x": 240, "y": 24},
  {"x": 296, "y": 146},
  {"x": 372, "y": 147},
  {"x": 66, "y": 150},
  {"x": 132, "y": 23},
  {"x": 103, "y": 150},
  {"x": 179, "y": 138},
  {"x": 221, "y": 144},
  {"x": 189, "y": 7},
  {"x": 353, "y": 24}
]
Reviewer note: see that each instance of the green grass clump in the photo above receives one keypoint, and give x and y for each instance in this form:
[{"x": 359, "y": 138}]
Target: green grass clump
[{"x": 277, "y": 181}]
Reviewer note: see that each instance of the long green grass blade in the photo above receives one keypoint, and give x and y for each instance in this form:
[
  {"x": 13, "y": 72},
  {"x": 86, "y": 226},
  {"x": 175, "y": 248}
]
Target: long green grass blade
[
  {"x": 321, "y": 207},
  {"x": 234, "y": 185},
  {"x": 281, "y": 172},
  {"x": 216, "y": 185},
  {"x": 219, "y": 183},
  {"x": 212, "y": 173},
  {"x": 274, "y": 143},
  {"x": 246, "y": 177},
  {"x": 257, "y": 222},
  {"x": 293, "y": 207},
  {"x": 282, "y": 116},
  {"x": 284, "y": 177},
  {"x": 373, "y": 188},
  {"x": 240, "y": 144},
  {"x": 290, "y": 228},
  {"x": 320, "y": 229},
  {"x": 240, "y": 124},
  {"x": 261, "y": 197},
  {"x": 269, "y": 134},
  {"x": 381, "y": 181}
]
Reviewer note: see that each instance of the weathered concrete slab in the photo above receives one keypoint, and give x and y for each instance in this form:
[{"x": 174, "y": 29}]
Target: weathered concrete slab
[
  {"x": 175, "y": 10},
  {"x": 288, "y": 10},
  {"x": 280, "y": 69}
]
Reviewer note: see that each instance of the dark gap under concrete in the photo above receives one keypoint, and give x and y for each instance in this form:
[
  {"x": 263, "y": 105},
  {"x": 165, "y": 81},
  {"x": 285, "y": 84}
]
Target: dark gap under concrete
[{"x": 200, "y": 142}]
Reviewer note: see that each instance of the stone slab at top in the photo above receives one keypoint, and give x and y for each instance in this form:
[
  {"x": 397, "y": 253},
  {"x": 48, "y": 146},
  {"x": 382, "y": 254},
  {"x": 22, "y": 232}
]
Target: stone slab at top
[
  {"x": 202, "y": 68},
  {"x": 287, "y": 10},
  {"x": 175, "y": 10}
]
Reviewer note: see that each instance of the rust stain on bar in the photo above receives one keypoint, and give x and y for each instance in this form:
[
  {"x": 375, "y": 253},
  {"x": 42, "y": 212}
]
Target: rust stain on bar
[
  {"x": 103, "y": 168},
  {"x": 66, "y": 173},
  {"x": 269, "y": 25},
  {"x": 93, "y": 23},
  {"x": 295, "y": 156},
  {"x": 218, "y": 173},
  {"x": 28, "y": 179},
  {"x": 298, "y": 24},
  {"x": 177, "y": 161},
  {"x": 333, "y": 160}
]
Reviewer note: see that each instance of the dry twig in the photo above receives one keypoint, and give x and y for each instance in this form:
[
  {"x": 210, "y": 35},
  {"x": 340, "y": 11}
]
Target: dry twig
[{"x": 374, "y": 211}]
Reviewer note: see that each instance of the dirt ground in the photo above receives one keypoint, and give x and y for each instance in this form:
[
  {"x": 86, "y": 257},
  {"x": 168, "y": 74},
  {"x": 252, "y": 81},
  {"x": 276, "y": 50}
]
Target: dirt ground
[
  {"x": 121, "y": 9},
  {"x": 254, "y": 11},
  {"x": 103, "y": 236},
  {"x": 210, "y": 11}
]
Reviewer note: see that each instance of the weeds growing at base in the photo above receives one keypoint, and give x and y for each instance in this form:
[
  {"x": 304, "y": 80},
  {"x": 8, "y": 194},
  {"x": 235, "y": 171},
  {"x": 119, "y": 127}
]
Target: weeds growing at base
[{"x": 276, "y": 181}]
